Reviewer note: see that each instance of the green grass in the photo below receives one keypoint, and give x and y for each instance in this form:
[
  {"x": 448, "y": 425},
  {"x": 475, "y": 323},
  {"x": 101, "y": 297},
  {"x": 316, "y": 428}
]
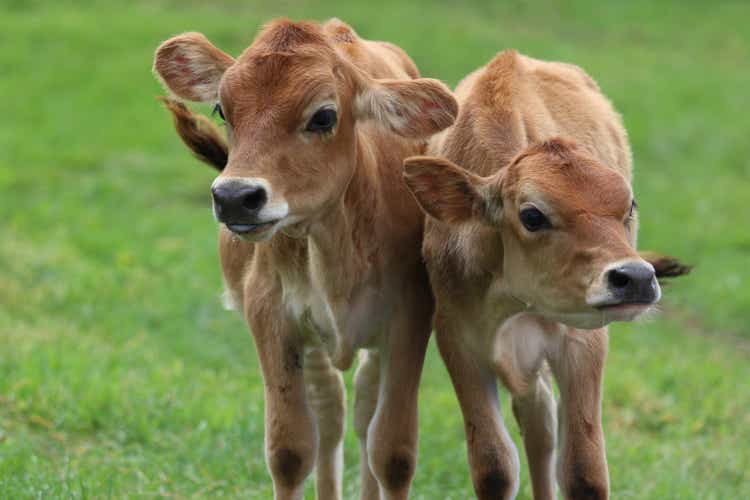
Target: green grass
[{"x": 120, "y": 375}]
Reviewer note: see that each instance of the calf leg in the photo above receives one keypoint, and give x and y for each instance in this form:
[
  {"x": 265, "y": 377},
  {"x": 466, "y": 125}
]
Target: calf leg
[
  {"x": 521, "y": 346},
  {"x": 392, "y": 435},
  {"x": 291, "y": 440},
  {"x": 493, "y": 458},
  {"x": 366, "y": 387},
  {"x": 327, "y": 396},
  {"x": 578, "y": 367},
  {"x": 535, "y": 413}
]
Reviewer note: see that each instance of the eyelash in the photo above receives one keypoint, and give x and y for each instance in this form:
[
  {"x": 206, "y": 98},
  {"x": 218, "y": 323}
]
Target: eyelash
[
  {"x": 218, "y": 111},
  {"x": 631, "y": 214}
]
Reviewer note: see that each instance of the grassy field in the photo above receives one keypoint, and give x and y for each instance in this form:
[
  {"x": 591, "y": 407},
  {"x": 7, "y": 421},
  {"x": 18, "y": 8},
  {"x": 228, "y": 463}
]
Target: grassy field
[{"x": 120, "y": 374}]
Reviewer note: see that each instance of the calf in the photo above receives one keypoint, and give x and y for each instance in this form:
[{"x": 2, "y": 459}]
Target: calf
[
  {"x": 530, "y": 249},
  {"x": 320, "y": 239}
]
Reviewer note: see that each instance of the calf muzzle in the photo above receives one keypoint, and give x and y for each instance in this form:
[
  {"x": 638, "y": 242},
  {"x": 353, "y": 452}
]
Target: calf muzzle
[
  {"x": 632, "y": 283},
  {"x": 238, "y": 204}
]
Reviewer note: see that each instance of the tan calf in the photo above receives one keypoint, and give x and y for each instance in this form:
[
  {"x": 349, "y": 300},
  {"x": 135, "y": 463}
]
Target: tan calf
[
  {"x": 531, "y": 252},
  {"x": 319, "y": 237}
]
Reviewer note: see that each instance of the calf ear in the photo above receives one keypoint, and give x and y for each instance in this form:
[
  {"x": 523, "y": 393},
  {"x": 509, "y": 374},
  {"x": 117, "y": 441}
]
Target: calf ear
[
  {"x": 665, "y": 266},
  {"x": 443, "y": 189},
  {"x": 410, "y": 108},
  {"x": 191, "y": 67}
]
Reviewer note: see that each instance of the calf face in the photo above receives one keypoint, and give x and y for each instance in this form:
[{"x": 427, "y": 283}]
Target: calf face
[
  {"x": 291, "y": 104},
  {"x": 565, "y": 226}
]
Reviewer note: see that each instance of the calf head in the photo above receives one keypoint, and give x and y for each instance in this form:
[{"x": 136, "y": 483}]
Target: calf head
[
  {"x": 291, "y": 103},
  {"x": 566, "y": 227}
]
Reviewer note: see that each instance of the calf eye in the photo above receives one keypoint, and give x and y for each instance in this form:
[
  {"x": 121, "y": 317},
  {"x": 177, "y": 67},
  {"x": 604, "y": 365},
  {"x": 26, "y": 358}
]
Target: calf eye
[
  {"x": 533, "y": 219},
  {"x": 217, "y": 111},
  {"x": 322, "y": 121}
]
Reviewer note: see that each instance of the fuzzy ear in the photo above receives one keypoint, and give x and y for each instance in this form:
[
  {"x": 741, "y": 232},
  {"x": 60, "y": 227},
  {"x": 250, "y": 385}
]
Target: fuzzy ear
[
  {"x": 191, "y": 67},
  {"x": 443, "y": 189},
  {"x": 410, "y": 108},
  {"x": 665, "y": 266}
]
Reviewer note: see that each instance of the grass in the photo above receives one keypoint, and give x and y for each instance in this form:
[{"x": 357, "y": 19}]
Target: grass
[{"x": 121, "y": 376}]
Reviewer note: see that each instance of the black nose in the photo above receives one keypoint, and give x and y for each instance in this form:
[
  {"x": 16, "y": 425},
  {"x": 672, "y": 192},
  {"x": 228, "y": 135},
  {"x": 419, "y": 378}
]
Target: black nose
[
  {"x": 633, "y": 283},
  {"x": 238, "y": 203}
]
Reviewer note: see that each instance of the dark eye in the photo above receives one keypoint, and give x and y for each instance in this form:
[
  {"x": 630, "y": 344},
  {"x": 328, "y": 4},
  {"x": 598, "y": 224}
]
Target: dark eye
[
  {"x": 633, "y": 207},
  {"x": 322, "y": 121},
  {"x": 217, "y": 111},
  {"x": 534, "y": 220}
]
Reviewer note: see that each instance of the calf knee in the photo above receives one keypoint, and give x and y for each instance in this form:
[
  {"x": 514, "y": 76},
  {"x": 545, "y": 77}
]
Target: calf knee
[
  {"x": 587, "y": 483},
  {"x": 583, "y": 488},
  {"x": 495, "y": 483},
  {"x": 393, "y": 468},
  {"x": 289, "y": 466},
  {"x": 495, "y": 475}
]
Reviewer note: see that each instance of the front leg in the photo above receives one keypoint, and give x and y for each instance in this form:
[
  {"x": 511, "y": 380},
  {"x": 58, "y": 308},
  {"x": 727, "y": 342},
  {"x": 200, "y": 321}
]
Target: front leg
[
  {"x": 392, "y": 435},
  {"x": 578, "y": 367},
  {"x": 493, "y": 458},
  {"x": 290, "y": 435},
  {"x": 520, "y": 349}
]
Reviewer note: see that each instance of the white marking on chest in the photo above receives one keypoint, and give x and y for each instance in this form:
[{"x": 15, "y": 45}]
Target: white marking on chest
[
  {"x": 310, "y": 310},
  {"x": 340, "y": 328}
]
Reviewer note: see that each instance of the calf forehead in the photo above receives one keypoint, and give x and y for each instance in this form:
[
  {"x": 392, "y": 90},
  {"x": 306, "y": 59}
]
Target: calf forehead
[
  {"x": 583, "y": 187},
  {"x": 262, "y": 80},
  {"x": 285, "y": 60}
]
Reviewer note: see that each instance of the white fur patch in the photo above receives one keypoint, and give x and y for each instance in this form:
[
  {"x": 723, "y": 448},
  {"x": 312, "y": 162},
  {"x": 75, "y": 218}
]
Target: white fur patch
[{"x": 229, "y": 301}]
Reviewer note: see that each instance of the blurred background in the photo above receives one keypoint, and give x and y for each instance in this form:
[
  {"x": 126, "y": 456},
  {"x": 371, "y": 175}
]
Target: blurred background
[{"x": 121, "y": 375}]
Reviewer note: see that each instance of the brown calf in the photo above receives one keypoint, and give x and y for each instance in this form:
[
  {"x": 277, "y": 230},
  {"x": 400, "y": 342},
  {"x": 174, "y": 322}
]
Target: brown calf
[
  {"x": 531, "y": 242},
  {"x": 319, "y": 237}
]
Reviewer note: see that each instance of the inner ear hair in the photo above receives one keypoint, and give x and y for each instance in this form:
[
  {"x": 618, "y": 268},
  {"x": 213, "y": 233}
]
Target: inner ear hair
[
  {"x": 410, "y": 108},
  {"x": 191, "y": 67}
]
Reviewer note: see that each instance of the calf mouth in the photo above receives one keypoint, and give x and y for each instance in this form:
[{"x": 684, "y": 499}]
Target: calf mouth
[
  {"x": 250, "y": 229},
  {"x": 614, "y": 306},
  {"x": 624, "y": 311}
]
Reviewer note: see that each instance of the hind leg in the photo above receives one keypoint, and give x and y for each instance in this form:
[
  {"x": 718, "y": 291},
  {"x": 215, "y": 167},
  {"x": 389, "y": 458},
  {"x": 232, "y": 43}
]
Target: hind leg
[
  {"x": 392, "y": 434},
  {"x": 366, "y": 388},
  {"x": 535, "y": 413},
  {"x": 327, "y": 397},
  {"x": 521, "y": 345}
]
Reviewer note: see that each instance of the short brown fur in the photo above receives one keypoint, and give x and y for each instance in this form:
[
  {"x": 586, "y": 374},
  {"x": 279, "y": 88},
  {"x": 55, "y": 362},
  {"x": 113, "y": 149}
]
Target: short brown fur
[
  {"x": 515, "y": 304},
  {"x": 340, "y": 270}
]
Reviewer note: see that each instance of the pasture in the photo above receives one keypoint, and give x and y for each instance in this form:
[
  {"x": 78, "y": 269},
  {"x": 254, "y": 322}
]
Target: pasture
[{"x": 122, "y": 376}]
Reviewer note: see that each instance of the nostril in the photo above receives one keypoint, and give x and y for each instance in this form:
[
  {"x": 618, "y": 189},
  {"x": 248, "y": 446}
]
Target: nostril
[
  {"x": 254, "y": 199},
  {"x": 219, "y": 195},
  {"x": 618, "y": 279}
]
